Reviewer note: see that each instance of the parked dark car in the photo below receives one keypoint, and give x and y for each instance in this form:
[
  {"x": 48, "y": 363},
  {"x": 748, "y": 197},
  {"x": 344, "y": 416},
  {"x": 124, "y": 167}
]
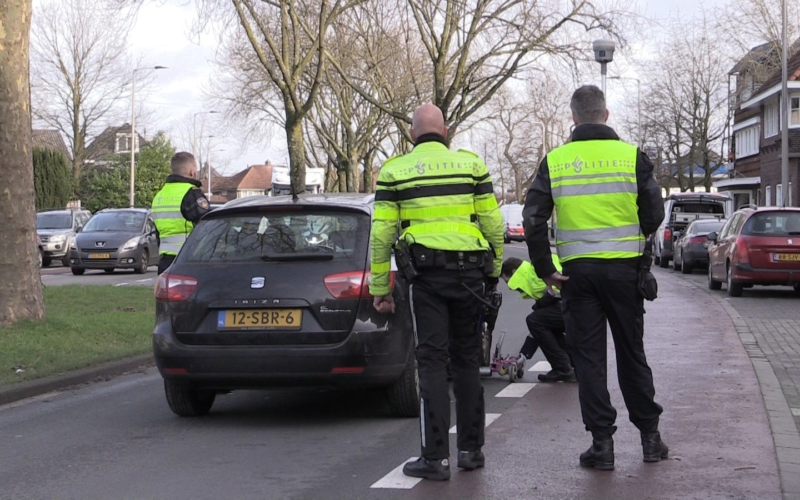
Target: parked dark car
[
  {"x": 691, "y": 248},
  {"x": 116, "y": 238},
  {"x": 757, "y": 246},
  {"x": 681, "y": 209},
  {"x": 57, "y": 230},
  {"x": 252, "y": 301}
]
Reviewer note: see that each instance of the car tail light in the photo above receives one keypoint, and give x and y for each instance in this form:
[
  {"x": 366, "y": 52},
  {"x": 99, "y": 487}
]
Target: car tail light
[
  {"x": 742, "y": 255},
  {"x": 667, "y": 234},
  {"x": 698, "y": 240},
  {"x": 350, "y": 285},
  {"x": 174, "y": 287}
]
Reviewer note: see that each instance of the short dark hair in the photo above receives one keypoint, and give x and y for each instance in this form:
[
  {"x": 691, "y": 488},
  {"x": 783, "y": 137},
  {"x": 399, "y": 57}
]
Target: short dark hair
[
  {"x": 510, "y": 266},
  {"x": 589, "y": 104},
  {"x": 181, "y": 162}
]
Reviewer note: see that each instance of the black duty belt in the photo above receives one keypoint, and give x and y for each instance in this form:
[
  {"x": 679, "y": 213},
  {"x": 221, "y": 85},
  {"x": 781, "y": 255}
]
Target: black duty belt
[{"x": 429, "y": 258}]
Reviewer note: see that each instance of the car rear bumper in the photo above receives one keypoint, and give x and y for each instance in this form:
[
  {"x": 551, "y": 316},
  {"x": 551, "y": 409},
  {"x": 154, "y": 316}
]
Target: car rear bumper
[
  {"x": 118, "y": 259},
  {"x": 744, "y": 273},
  {"x": 364, "y": 359},
  {"x": 695, "y": 257}
]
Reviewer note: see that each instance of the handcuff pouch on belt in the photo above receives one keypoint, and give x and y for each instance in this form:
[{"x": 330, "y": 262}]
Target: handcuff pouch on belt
[{"x": 648, "y": 286}]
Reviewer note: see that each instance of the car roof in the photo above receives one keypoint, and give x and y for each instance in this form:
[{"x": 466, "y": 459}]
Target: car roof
[
  {"x": 62, "y": 211},
  {"x": 106, "y": 210},
  {"x": 359, "y": 201},
  {"x": 689, "y": 196},
  {"x": 751, "y": 210}
]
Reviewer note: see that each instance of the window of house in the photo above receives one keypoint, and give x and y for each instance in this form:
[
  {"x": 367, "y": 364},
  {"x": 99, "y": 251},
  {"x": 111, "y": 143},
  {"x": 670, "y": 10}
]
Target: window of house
[
  {"x": 747, "y": 141},
  {"x": 122, "y": 144},
  {"x": 779, "y": 195},
  {"x": 794, "y": 110},
  {"x": 767, "y": 196},
  {"x": 771, "y": 121}
]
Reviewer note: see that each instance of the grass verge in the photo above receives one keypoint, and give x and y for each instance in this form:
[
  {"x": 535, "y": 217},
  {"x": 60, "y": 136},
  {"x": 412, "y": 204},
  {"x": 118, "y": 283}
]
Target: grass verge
[{"x": 85, "y": 325}]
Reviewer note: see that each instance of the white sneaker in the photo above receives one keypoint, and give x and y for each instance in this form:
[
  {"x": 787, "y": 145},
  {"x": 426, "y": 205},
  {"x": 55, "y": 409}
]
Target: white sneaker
[{"x": 521, "y": 362}]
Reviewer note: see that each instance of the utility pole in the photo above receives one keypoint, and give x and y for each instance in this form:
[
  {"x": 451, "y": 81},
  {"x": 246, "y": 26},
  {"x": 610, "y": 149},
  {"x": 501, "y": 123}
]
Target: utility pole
[{"x": 784, "y": 116}]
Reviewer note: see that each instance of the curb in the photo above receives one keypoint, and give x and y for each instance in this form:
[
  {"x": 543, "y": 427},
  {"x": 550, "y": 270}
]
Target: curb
[
  {"x": 785, "y": 435},
  {"x": 36, "y": 387}
]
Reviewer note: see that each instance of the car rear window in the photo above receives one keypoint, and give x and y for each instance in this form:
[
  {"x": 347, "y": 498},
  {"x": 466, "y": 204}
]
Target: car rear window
[
  {"x": 773, "y": 224},
  {"x": 699, "y": 208},
  {"x": 707, "y": 227},
  {"x": 279, "y": 236}
]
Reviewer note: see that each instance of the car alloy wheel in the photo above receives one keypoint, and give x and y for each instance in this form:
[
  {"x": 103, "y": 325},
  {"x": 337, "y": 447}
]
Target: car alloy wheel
[
  {"x": 734, "y": 289},
  {"x": 712, "y": 283}
]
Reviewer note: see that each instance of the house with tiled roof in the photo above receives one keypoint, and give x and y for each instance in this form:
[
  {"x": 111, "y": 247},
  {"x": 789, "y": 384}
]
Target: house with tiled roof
[
  {"x": 51, "y": 139},
  {"x": 756, "y": 132},
  {"x": 255, "y": 180},
  {"x": 113, "y": 140}
]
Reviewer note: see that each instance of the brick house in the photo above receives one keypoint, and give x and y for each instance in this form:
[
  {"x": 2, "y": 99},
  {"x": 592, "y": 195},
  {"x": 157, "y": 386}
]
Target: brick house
[
  {"x": 756, "y": 131},
  {"x": 255, "y": 180},
  {"x": 113, "y": 141}
]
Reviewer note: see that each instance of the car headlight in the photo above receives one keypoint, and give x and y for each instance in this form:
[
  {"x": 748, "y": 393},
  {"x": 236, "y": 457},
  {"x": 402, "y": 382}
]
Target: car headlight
[
  {"x": 131, "y": 244},
  {"x": 72, "y": 245},
  {"x": 58, "y": 238}
]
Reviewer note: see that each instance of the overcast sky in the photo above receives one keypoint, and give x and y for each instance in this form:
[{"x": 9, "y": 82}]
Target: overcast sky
[{"x": 161, "y": 37}]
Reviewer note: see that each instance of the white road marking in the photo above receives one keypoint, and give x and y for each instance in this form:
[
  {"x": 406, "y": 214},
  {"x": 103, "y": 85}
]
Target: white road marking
[
  {"x": 490, "y": 417},
  {"x": 146, "y": 279},
  {"x": 516, "y": 390},
  {"x": 121, "y": 284},
  {"x": 396, "y": 479},
  {"x": 541, "y": 366},
  {"x": 796, "y": 412}
]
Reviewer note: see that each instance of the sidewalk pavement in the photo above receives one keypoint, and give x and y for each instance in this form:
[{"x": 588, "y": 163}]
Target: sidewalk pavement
[{"x": 715, "y": 421}]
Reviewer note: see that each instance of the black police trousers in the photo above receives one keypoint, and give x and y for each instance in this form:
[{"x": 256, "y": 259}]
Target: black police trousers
[
  {"x": 164, "y": 261},
  {"x": 597, "y": 294},
  {"x": 546, "y": 327},
  {"x": 445, "y": 315}
]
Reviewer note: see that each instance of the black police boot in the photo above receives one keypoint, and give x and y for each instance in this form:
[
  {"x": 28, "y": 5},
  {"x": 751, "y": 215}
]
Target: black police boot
[
  {"x": 437, "y": 470},
  {"x": 653, "y": 447},
  {"x": 471, "y": 459},
  {"x": 555, "y": 376},
  {"x": 601, "y": 454}
]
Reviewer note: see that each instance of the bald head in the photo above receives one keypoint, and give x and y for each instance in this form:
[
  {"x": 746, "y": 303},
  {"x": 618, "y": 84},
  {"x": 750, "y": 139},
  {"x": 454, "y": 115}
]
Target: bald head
[{"x": 428, "y": 119}]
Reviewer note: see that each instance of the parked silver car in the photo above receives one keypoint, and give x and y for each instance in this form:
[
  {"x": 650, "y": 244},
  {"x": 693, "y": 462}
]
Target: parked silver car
[{"x": 57, "y": 229}]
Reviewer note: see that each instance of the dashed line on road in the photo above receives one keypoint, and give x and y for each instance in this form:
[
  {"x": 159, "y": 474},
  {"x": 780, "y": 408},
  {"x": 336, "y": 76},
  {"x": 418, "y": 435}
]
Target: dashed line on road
[
  {"x": 396, "y": 479},
  {"x": 541, "y": 366},
  {"x": 490, "y": 417},
  {"x": 121, "y": 284},
  {"x": 516, "y": 390}
]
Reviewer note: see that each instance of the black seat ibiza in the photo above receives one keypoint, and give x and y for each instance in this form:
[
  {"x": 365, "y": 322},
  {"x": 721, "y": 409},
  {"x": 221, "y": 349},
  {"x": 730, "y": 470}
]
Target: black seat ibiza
[{"x": 271, "y": 292}]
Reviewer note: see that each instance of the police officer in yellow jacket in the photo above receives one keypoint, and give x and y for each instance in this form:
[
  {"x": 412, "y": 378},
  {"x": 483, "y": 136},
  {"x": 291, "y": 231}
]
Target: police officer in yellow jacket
[
  {"x": 607, "y": 201},
  {"x": 178, "y": 207},
  {"x": 444, "y": 203},
  {"x": 546, "y": 322}
]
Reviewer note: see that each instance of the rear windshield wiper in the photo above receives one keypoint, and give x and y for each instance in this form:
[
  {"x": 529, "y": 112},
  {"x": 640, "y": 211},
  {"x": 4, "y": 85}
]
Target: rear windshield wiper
[{"x": 283, "y": 257}]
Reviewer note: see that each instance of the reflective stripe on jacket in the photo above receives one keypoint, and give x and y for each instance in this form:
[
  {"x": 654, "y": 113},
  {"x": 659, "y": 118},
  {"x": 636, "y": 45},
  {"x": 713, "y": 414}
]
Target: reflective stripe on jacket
[
  {"x": 166, "y": 210},
  {"x": 443, "y": 200},
  {"x": 595, "y": 191}
]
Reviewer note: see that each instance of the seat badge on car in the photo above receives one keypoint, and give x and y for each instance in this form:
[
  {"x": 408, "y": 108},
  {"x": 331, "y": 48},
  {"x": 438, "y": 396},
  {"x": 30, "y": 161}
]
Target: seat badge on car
[
  {"x": 257, "y": 282},
  {"x": 789, "y": 242},
  {"x": 100, "y": 243}
]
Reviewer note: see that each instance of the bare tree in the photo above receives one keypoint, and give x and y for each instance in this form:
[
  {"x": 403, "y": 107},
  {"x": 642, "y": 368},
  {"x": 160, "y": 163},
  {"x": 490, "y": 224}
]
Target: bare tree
[
  {"x": 473, "y": 47},
  {"x": 288, "y": 39},
  {"x": 80, "y": 68},
  {"x": 20, "y": 286},
  {"x": 688, "y": 103}
]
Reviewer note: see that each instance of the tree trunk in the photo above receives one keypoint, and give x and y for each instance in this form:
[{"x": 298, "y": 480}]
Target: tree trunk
[
  {"x": 368, "y": 159},
  {"x": 352, "y": 178},
  {"x": 297, "y": 154},
  {"x": 20, "y": 284}
]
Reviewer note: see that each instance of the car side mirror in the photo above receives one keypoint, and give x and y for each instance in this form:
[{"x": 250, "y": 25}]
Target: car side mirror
[{"x": 712, "y": 236}]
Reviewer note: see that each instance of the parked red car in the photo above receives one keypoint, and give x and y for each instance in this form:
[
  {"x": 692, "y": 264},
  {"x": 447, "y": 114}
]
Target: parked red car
[{"x": 757, "y": 246}]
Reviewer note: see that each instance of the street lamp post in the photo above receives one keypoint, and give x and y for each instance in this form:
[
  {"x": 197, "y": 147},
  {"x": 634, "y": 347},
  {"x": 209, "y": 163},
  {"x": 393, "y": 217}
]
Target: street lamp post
[
  {"x": 784, "y": 116},
  {"x": 604, "y": 54},
  {"x": 133, "y": 128},
  {"x": 638, "y": 105},
  {"x": 209, "y": 170}
]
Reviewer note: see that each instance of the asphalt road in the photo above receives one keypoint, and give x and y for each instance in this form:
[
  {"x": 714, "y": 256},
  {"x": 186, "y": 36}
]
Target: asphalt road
[
  {"x": 57, "y": 275},
  {"x": 118, "y": 439}
]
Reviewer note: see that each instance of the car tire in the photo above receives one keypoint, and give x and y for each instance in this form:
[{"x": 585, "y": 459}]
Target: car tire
[
  {"x": 404, "y": 393},
  {"x": 506, "y": 239},
  {"x": 65, "y": 261},
  {"x": 142, "y": 269},
  {"x": 109, "y": 271},
  {"x": 77, "y": 271},
  {"x": 676, "y": 266},
  {"x": 712, "y": 283},
  {"x": 686, "y": 267},
  {"x": 663, "y": 263},
  {"x": 46, "y": 261},
  {"x": 187, "y": 401},
  {"x": 734, "y": 289}
]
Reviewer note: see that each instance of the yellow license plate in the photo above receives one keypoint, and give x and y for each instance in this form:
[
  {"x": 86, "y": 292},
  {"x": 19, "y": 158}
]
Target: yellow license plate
[
  {"x": 260, "y": 318},
  {"x": 99, "y": 255},
  {"x": 787, "y": 256}
]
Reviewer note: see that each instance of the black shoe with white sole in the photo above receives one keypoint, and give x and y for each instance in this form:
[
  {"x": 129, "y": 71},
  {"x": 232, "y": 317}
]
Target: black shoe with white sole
[{"x": 436, "y": 470}]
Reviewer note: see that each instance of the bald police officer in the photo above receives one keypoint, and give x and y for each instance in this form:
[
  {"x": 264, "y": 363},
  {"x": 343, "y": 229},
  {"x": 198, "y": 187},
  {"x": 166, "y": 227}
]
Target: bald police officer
[
  {"x": 448, "y": 215},
  {"x": 178, "y": 207}
]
